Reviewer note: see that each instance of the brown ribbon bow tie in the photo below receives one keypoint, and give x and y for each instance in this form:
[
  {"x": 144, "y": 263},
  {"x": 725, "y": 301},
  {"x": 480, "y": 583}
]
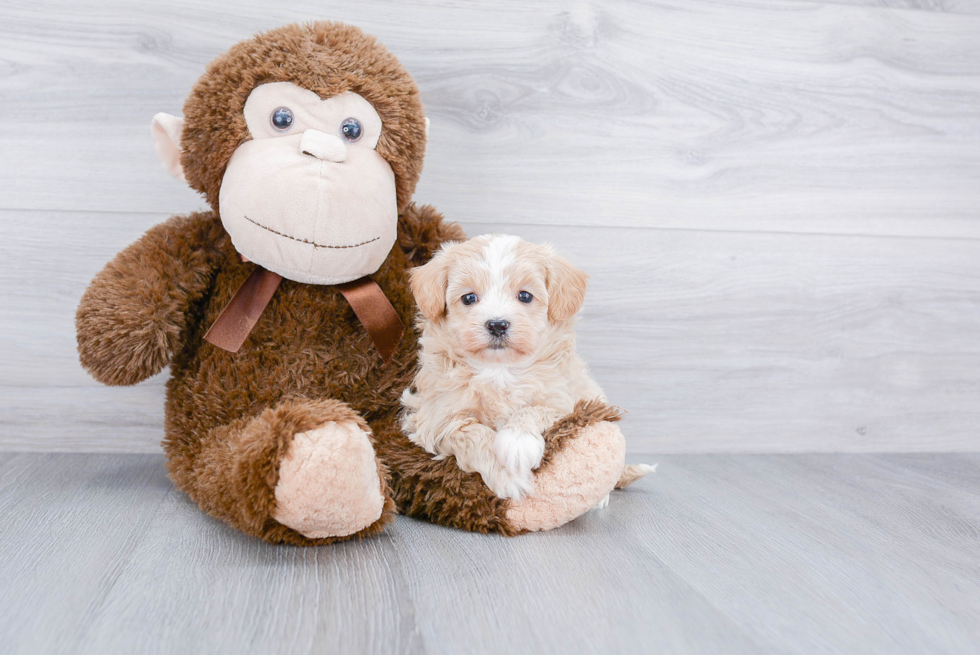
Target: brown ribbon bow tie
[{"x": 366, "y": 298}]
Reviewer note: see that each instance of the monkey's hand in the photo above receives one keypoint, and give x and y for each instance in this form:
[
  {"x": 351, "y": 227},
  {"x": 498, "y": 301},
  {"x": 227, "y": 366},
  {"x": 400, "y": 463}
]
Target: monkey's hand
[
  {"x": 131, "y": 316},
  {"x": 585, "y": 414},
  {"x": 422, "y": 229}
]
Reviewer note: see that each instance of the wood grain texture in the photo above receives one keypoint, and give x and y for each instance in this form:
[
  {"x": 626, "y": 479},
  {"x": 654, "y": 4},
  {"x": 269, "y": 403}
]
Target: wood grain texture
[
  {"x": 854, "y": 118},
  {"x": 69, "y": 529},
  {"x": 711, "y": 554},
  {"x": 712, "y": 341},
  {"x": 777, "y": 201}
]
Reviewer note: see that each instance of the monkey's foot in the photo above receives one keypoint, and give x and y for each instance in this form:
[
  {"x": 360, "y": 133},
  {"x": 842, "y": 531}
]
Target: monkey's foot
[
  {"x": 575, "y": 480},
  {"x": 329, "y": 485}
]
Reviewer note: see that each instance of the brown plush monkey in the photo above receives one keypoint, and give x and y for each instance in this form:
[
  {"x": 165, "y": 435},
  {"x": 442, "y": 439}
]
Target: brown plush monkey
[{"x": 307, "y": 142}]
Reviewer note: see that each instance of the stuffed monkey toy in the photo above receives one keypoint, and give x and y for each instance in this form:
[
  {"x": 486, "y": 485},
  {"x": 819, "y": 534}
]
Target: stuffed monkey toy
[{"x": 282, "y": 311}]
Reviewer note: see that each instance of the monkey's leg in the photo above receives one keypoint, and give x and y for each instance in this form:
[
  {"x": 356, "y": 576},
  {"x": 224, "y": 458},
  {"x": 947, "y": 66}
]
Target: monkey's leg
[
  {"x": 584, "y": 457},
  {"x": 303, "y": 472},
  {"x": 437, "y": 489},
  {"x": 583, "y": 460}
]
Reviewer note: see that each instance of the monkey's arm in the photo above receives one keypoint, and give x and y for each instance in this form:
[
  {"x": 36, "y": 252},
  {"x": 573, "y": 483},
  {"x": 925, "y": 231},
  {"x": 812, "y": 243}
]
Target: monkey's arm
[
  {"x": 583, "y": 461},
  {"x": 130, "y": 318},
  {"x": 422, "y": 229},
  {"x": 533, "y": 419}
]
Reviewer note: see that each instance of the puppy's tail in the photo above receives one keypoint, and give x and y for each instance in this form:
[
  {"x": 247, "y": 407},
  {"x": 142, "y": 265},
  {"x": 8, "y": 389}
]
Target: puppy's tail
[{"x": 633, "y": 472}]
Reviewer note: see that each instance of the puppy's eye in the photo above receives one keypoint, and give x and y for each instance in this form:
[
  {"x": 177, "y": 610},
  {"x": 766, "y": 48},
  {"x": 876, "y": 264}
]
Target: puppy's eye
[
  {"x": 525, "y": 297},
  {"x": 469, "y": 299},
  {"x": 282, "y": 118}
]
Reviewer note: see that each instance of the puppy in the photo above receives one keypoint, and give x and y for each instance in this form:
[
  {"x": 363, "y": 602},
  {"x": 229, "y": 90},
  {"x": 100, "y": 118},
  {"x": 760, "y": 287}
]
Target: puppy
[{"x": 497, "y": 362}]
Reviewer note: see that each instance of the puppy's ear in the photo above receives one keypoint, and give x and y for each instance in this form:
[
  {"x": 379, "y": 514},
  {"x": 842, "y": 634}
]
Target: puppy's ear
[
  {"x": 429, "y": 283},
  {"x": 566, "y": 288}
]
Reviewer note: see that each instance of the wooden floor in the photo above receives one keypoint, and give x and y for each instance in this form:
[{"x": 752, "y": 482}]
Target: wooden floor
[{"x": 712, "y": 554}]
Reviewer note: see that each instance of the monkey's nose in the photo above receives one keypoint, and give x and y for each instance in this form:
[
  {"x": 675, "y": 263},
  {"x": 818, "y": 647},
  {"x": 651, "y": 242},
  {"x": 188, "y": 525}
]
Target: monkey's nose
[{"x": 323, "y": 146}]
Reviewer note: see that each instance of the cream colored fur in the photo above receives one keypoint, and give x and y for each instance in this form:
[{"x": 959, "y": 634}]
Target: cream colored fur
[
  {"x": 488, "y": 401},
  {"x": 328, "y": 482}
]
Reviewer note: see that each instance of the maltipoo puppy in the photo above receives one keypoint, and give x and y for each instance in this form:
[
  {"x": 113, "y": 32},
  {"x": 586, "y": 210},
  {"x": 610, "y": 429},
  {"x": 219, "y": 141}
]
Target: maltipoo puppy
[{"x": 497, "y": 364}]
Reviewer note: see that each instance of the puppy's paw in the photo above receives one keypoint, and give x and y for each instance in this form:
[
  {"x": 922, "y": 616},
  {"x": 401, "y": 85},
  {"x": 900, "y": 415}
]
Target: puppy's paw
[
  {"x": 505, "y": 484},
  {"x": 517, "y": 451}
]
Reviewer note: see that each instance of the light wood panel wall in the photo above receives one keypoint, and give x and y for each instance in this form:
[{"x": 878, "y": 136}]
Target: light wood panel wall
[{"x": 778, "y": 200}]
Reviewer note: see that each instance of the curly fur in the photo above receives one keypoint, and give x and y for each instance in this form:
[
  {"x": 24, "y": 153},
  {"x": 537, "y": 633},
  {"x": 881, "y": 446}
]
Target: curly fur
[
  {"x": 585, "y": 414},
  {"x": 231, "y": 418},
  {"x": 487, "y": 396},
  {"x": 325, "y": 57}
]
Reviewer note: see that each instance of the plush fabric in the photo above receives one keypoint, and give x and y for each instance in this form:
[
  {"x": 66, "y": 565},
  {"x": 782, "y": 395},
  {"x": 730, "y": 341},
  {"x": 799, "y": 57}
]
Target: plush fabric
[
  {"x": 302, "y": 201},
  {"x": 561, "y": 492},
  {"x": 165, "y": 130},
  {"x": 315, "y": 222},
  {"x": 231, "y": 418},
  {"x": 328, "y": 483},
  {"x": 294, "y": 439},
  {"x": 309, "y": 110},
  {"x": 583, "y": 460},
  {"x": 325, "y": 57}
]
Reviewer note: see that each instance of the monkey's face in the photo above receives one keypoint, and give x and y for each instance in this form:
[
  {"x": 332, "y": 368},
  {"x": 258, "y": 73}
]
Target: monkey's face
[{"x": 308, "y": 196}]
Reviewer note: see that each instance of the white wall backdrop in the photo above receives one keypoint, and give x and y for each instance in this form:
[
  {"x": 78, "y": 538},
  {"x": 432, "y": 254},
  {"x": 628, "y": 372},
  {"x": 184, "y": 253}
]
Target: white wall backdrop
[{"x": 778, "y": 200}]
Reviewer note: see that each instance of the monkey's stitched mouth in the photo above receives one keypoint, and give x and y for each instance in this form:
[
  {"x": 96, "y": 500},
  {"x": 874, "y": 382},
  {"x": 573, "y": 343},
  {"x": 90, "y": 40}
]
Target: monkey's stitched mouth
[{"x": 311, "y": 243}]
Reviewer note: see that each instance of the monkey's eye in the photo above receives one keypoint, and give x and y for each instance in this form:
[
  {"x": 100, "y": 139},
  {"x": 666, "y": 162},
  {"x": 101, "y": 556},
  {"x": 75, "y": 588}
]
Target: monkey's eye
[
  {"x": 282, "y": 118},
  {"x": 525, "y": 297},
  {"x": 351, "y": 129},
  {"x": 469, "y": 298}
]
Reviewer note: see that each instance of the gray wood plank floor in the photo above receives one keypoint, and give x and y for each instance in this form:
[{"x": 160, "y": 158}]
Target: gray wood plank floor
[{"x": 712, "y": 554}]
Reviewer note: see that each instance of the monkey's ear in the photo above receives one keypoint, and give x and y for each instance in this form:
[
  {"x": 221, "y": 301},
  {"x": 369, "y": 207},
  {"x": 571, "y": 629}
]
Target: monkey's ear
[
  {"x": 429, "y": 283},
  {"x": 566, "y": 288},
  {"x": 166, "y": 131}
]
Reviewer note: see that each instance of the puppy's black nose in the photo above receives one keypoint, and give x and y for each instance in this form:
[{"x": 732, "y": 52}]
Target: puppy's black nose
[{"x": 497, "y": 327}]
